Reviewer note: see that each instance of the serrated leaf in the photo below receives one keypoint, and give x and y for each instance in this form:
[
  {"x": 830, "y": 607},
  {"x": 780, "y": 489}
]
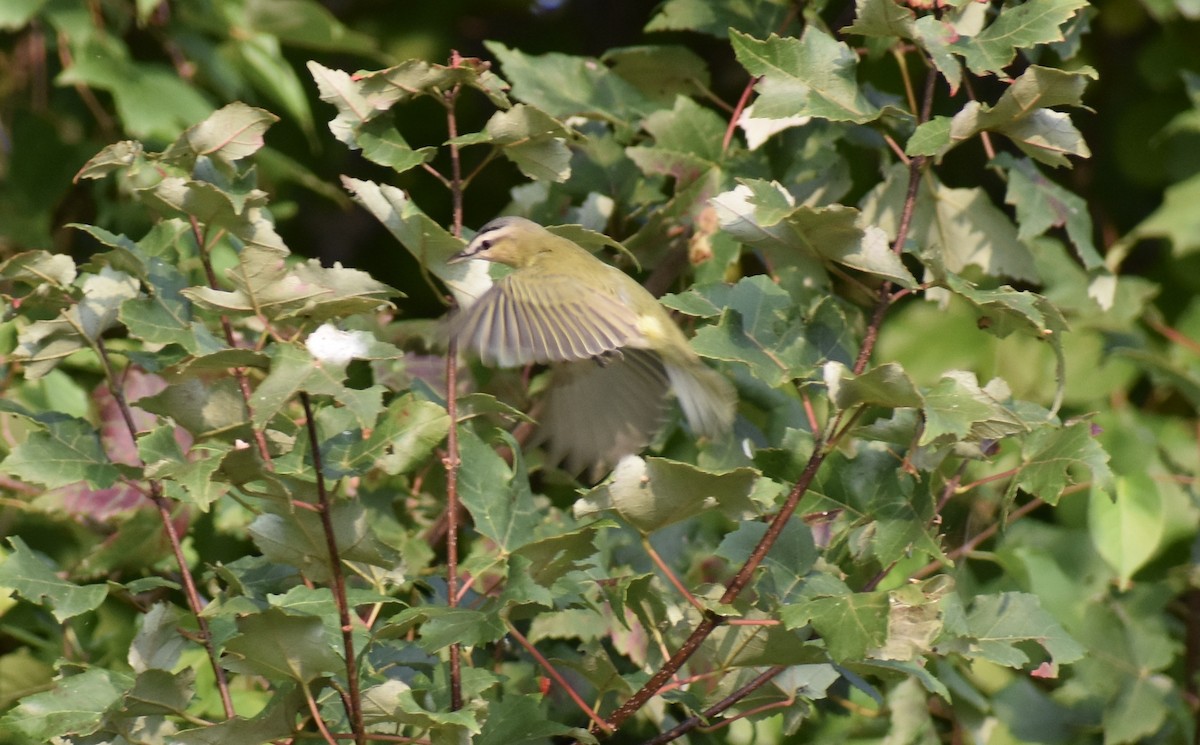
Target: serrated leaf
[
  {"x": 1053, "y": 458},
  {"x": 1022, "y": 114},
  {"x": 64, "y": 451},
  {"x": 499, "y": 500},
  {"x": 425, "y": 239},
  {"x": 996, "y": 624},
  {"x": 298, "y": 539},
  {"x": 281, "y": 646},
  {"x": 764, "y": 215},
  {"x": 395, "y": 701},
  {"x": 1016, "y": 27},
  {"x": 687, "y": 142},
  {"x": 716, "y": 19},
  {"x": 403, "y": 439},
  {"x": 265, "y": 283},
  {"x": 1042, "y": 204},
  {"x": 957, "y": 227},
  {"x": 522, "y": 719},
  {"x": 112, "y": 158},
  {"x": 37, "y": 582},
  {"x": 850, "y": 624},
  {"x": 653, "y": 493},
  {"x": 564, "y": 86},
  {"x": 660, "y": 71},
  {"x": 532, "y": 139},
  {"x": 760, "y": 327},
  {"x": 1127, "y": 527},
  {"x": 886, "y": 385},
  {"x": 228, "y": 134},
  {"x": 810, "y": 76},
  {"x": 275, "y": 722},
  {"x": 439, "y": 626},
  {"x": 957, "y": 409},
  {"x": 40, "y": 267},
  {"x": 158, "y": 643},
  {"x": 75, "y": 706}
]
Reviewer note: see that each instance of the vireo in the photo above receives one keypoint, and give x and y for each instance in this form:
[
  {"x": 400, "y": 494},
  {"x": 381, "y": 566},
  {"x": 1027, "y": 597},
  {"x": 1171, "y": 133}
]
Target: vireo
[{"x": 614, "y": 351}]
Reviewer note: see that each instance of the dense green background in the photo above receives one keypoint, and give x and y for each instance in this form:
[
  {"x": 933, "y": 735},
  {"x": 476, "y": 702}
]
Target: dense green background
[{"x": 1048, "y": 566}]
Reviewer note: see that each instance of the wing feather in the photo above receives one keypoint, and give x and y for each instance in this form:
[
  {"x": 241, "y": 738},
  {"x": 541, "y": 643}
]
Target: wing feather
[{"x": 544, "y": 319}]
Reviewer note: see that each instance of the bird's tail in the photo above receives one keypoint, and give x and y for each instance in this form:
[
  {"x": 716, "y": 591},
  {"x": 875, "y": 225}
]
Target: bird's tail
[{"x": 706, "y": 397}]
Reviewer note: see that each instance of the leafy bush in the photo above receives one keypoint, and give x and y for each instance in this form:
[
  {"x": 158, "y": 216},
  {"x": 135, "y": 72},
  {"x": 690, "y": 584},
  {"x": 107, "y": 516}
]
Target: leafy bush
[{"x": 248, "y": 500}]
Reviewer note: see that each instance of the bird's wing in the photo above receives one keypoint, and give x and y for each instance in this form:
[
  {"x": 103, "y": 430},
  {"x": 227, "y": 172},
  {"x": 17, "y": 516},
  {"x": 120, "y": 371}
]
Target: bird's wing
[
  {"x": 593, "y": 414},
  {"x": 547, "y": 318}
]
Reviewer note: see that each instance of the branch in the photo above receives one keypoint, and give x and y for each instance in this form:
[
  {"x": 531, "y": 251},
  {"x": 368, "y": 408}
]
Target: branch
[
  {"x": 338, "y": 580},
  {"x": 164, "y": 512}
]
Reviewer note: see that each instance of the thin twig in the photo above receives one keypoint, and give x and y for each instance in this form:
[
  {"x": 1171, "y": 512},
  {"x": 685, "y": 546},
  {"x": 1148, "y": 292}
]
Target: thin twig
[
  {"x": 692, "y": 723},
  {"x": 338, "y": 580},
  {"x": 239, "y": 373},
  {"x": 597, "y": 720},
  {"x": 452, "y": 457},
  {"x": 666, "y": 570},
  {"x": 164, "y": 512}
]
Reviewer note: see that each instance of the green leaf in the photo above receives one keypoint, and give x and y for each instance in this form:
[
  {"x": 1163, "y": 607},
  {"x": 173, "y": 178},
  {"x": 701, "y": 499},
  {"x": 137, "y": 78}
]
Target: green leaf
[
  {"x": 281, "y": 646},
  {"x": 957, "y": 409},
  {"x": 441, "y": 626},
  {"x": 1127, "y": 527},
  {"x": 1022, "y": 114},
  {"x": 63, "y": 451},
  {"x": 17, "y": 13},
  {"x": 532, "y": 139},
  {"x": 298, "y": 539},
  {"x": 653, "y": 493},
  {"x": 764, "y": 215},
  {"x": 228, "y": 134},
  {"x": 564, "y": 86},
  {"x": 1053, "y": 458},
  {"x": 158, "y": 643},
  {"x": 1176, "y": 220},
  {"x": 850, "y": 624},
  {"x": 687, "y": 142},
  {"x": 40, "y": 267},
  {"x": 521, "y": 719},
  {"x": 77, "y": 705},
  {"x": 761, "y": 327},
  {"x": 36, "y": 581},
  {"x": 425, "y": 239},
  {"x": 159, "y": 692},
  {"x": 499, "y": 501},
  {"x": 306, "y": 23},
  {"x": 394, "y": 701},
  {"x": 275, "y": 722},
  {"x": 660, "y": 71},
  {"x": 1042, "y": 204},
  {"x": 956, "y": 227},
  {"x": 716, "y": 19},
  {"x": 362, "y": 123},
  {"x": 402, "y": 440},
  {"x": 996, "y": 624},
  {"x": 886, "y": 385},
  {"x": 1016, "y": 27},
  {"x": 810, "y": 76},
  {"x": 152, "y": 101},
  {"x": 265, "y": 283}
]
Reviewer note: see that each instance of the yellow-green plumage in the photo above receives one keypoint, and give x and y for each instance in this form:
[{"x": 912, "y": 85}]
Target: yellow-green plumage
[{"x": 615, "y": 351}]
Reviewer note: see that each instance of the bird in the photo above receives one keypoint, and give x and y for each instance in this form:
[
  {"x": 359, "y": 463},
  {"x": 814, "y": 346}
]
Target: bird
[{"x": 615, "y": 354}]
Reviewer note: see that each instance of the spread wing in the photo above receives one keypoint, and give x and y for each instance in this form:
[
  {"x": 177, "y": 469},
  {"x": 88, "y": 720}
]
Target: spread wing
[
  {"x": 596, "y": 412},
  {"x": 549, "y": 318}
]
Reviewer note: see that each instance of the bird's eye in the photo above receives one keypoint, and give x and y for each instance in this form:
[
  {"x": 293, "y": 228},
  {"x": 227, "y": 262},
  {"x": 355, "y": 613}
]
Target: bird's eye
[{"x": 484, "y": 245}]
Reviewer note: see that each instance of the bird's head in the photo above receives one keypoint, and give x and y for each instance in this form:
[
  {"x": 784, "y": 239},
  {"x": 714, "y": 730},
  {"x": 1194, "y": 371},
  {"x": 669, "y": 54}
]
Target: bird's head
[{"x": 514, "y": 241}]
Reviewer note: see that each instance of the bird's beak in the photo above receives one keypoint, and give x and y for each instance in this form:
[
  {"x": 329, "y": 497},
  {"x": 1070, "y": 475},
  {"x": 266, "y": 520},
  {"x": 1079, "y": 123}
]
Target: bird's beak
[{"x": 459, "y": 257}]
